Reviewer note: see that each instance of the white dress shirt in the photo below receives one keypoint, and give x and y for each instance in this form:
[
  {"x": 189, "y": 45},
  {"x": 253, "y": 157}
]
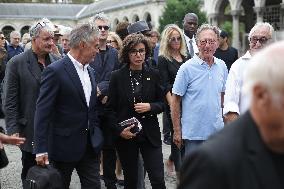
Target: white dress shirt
[
  {"x": 235, "y": 100},
  {"x": 83, "y": 74},
  {"x": 187, "y": 39}
]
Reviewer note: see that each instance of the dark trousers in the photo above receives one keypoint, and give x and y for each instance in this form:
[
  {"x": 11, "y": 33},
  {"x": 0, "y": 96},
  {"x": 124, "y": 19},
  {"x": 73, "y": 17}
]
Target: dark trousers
[
  {"x": 28, "y": 160},
  {"x": 166, "y": 127},
  {"x": 109, "y": 165},
  {"x": 87, "y": 168},
  {"x": 153, "y": 162}
]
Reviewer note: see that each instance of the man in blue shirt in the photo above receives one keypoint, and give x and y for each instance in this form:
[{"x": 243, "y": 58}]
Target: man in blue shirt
[
  {"x": 14, "y": 47},
  {"x": 199, "y": 86}
]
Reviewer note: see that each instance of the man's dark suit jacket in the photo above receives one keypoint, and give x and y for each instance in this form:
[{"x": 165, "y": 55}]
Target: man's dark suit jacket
[
  {"x": 121, "y": 101},
  {"x": 62, "y": 113},
  {"x": 235, "y": 158},
  {"x": 21, "y": 89},
  {"x": 104, "y": 67}
]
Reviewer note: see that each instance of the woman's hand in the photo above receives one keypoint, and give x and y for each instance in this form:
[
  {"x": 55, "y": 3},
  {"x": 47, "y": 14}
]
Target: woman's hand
[
  {"x": 142, "y": 107},
  {"x": 127, "y": 134}
]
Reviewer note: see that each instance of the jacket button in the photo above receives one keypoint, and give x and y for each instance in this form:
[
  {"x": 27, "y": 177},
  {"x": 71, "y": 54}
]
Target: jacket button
[{"x": 143, "y": 117}]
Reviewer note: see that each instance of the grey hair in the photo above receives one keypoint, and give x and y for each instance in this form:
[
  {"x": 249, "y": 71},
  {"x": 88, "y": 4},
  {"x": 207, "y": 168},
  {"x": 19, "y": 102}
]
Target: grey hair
[
  {"x": 13, "y": 33},
  {"x": 260, "y": 25},
  {"x": 266, "y": 68},
  {"x": 100, "y": 16},
  {"x": 203, "y": 27},
  {"x": 43, "y": 24},
  {"x": 84, "y": 32}
]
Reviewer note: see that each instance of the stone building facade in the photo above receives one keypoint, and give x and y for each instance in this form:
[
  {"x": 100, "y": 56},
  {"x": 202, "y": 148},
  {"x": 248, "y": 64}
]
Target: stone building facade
[
  {"x": 20, "y": 16},
  {"x": 242, "y": 13}
]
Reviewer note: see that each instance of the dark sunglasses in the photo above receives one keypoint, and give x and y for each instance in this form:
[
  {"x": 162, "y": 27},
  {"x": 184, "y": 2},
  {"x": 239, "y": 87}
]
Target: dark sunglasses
[
  {"x": 105, "y": 27},
  {"x": 2, "y": 38},
  {"x": 261, "y": 40},
  {"x": 175, "y": 39}
]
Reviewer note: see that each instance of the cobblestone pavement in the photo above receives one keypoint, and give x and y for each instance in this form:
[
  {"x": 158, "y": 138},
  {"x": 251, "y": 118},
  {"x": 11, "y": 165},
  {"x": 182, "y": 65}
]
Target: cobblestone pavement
[{"x": 10, "y": 176}]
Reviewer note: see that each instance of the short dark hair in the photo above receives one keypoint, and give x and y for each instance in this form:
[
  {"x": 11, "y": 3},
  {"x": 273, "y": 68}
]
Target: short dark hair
[
  {"x": 121, "y": 29},
  {"x": 130, "y": 42},
  {"x": 224, "y": 34}
]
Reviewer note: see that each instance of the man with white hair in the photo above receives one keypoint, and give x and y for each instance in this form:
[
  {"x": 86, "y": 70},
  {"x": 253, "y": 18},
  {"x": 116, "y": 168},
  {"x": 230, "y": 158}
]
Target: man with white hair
[
  {"x": 65, "y": 32},
  {"x": 14, "y": 47},
  {"x": 235, "y": 102},
  {"x": 21, "y": 88},
  {"x": 249, "y": 153},
  {"x": 199, "y": 87}
]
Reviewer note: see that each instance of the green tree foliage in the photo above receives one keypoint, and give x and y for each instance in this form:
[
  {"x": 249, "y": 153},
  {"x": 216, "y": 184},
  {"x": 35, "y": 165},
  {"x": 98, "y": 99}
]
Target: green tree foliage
[
  {"x": 176, "y": 9},
  {"x": 227, "y": 26}
]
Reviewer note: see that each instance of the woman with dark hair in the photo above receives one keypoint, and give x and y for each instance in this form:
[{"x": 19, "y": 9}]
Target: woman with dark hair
[{"x": 135, "y": 91}]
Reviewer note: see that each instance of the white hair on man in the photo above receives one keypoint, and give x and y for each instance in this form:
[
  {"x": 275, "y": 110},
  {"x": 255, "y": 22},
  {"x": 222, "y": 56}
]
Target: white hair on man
[
  {"x": 266, "y": 69},
  {"x": 259, "y": 25},
  {"x": 43, "y": 24},
  {"x": 99, "y": 16}
]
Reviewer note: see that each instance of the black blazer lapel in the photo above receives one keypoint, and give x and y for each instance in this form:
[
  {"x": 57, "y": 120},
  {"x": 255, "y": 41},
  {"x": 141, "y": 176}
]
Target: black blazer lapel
[
  {"x": 125, "y": 79},
  {"x": 259, "y": 157},
  {"x": 146, "y": 83},
  {"x": 71, "y": 70},
  {"x": 33, "y": 65}
]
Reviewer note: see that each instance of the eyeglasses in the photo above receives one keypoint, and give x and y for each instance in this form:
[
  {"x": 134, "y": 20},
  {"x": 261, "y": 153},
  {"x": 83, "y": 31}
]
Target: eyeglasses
[
  {"x": 175, "y": 39},
  {"x": 2, "y": 38},
  {"x": 134, "y": 52},
  {"x": 205, "y": 41},
  {"x": 261, "y": 40},
  {"x": 105, "y": 28},
  {"x": 111, "y": 41}
]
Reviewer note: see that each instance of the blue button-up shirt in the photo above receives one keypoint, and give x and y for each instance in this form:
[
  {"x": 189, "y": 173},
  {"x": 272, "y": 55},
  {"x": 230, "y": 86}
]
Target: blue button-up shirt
[{"x": 200, "y": 87}]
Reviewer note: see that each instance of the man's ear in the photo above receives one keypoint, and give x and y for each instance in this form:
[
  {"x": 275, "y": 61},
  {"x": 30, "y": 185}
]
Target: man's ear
[{"x": 82, "y": 44}]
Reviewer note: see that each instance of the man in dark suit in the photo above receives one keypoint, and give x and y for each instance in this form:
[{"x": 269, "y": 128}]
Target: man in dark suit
[
  {"x": 66, "y": 112},
  {"x": 21, "y": 88},
  {"x": 104, "y": 63},
  {"x": 249, "y": 153},
  {"x": 190, "y": 25}
]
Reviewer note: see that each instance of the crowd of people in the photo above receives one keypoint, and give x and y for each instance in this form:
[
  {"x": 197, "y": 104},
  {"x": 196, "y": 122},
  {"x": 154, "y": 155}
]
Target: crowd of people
[{"x": 87, "y": 99}]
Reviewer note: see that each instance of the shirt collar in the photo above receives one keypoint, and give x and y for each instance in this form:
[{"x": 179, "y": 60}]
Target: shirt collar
[
  {"x": 200, "y": 61},
  {"x": 188, "y": 39},
  {"x": 247, "y": 55},
  {"x": 76, "y": 63}
]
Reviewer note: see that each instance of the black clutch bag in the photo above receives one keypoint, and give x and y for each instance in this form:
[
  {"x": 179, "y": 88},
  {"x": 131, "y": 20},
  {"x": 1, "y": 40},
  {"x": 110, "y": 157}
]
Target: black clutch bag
[
  {"x": 3, "y": 158},
  {"x": 132, "y": 121}
]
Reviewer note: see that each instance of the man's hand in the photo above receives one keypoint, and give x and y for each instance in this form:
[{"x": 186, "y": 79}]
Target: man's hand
[
  {"x": 142, "y": 107},
  {"x": 177, "y": 139},
  {"x": 14, "y": 139},
  {"x": 98, "y": 92},
  {"x": 231, "y": 116},
  {"x": 42, "y": 160},
  {"x": 104, "y": 100},
  {"x": 127, "y": 134}
]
